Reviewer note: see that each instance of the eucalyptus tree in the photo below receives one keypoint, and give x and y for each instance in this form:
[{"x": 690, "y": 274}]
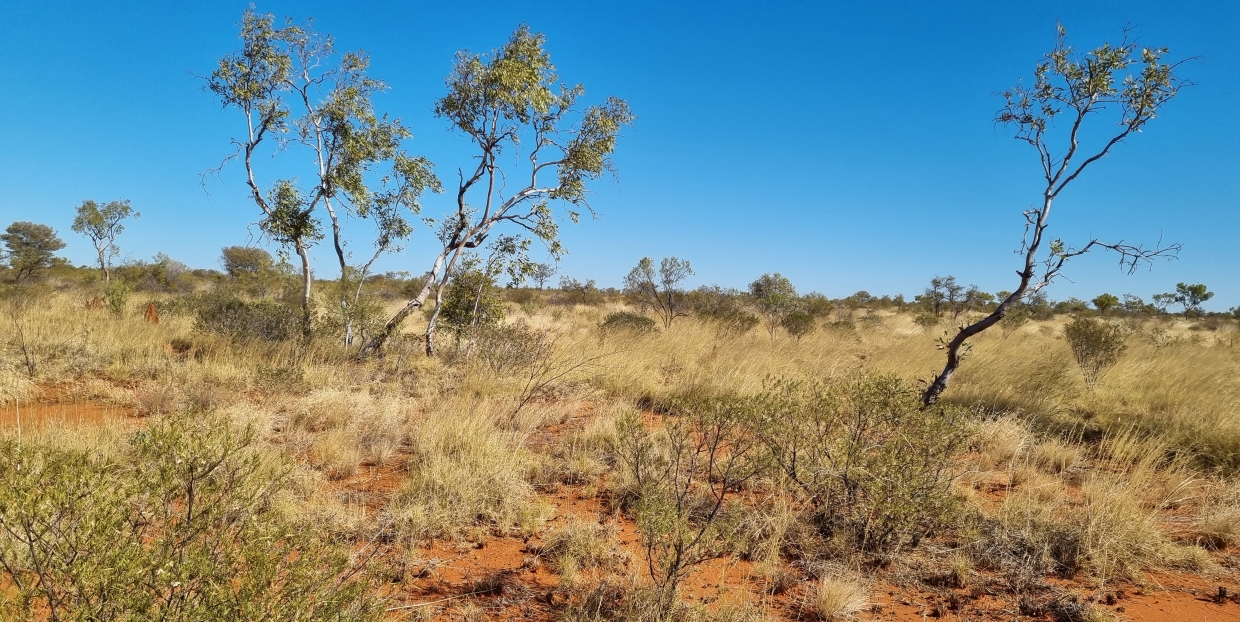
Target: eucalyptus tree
[
  {"x": 1072, "y": 87},
  {"x": 659, "y": 291},
  {"x": 101, "y": 225},
  {"x": 282, "y": 69},
  {"x": 502, "y": 101}
]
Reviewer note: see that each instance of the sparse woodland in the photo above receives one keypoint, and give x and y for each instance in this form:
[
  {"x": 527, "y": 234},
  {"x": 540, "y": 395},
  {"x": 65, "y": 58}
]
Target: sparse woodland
[{"x": 260, "y": 444}]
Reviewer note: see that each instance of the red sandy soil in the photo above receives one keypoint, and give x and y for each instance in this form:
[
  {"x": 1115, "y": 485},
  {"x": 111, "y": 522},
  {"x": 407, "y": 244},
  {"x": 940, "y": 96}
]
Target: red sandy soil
[{"x": 56, "y": 405}]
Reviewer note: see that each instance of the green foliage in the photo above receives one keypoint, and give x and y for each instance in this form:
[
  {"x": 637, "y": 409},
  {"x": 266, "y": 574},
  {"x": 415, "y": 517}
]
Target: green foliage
[
  {"x": 1135, "y": 306},
  {"x": 179, "y": 524},
  {"x": 724, "y": 309},
  {"x": 495, "y": 98},
  {"x": 819, "y": 305},
  {"x": 585, "y": 289},
  {"x": 926, "y": 319},
  {"x": 1104, "y": 302},
  {"x": 1082, "y": 83},
  {"x": 659, "y": 292},
  {"x": 775, "y": 298},
  {"x": 1071, "y": 306},
  {"x": 875, "y": 466},
  {"x": 242, "y": 261},
  {"x": 31, "y": 247},
  {"x": 1190, "y": 297},
  {"x": 1097, "y": 346},
  {"x": 680, "y": 477},
  {"x": 506, "y": 348},
  {"x": 116, "y": 296},
  {"x": 626, "y": 322},
  {"x": 240, "y": 320},
  {"x": 799, "y": 324},
  {"x": 101, "y": 225},
  {"x": 1017, "y": 315},
  {"x": 472, "y": 301}
]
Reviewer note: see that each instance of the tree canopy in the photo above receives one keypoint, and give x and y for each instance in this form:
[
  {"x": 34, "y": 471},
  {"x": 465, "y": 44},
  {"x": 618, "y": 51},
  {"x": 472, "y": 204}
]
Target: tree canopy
[{"x": 31, "y": 247}]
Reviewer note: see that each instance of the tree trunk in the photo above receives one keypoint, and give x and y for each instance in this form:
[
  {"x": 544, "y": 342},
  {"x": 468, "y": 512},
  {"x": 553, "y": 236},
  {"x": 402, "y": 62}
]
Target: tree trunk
[
  {"x": 375, "y": 343},
  {"x": 304, "y": 254},
  {"x": 936, "y": 388}
]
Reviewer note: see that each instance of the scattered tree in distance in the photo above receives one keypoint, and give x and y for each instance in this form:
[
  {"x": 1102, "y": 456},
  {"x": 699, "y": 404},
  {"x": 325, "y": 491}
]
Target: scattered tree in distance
[
  {"x": 101, "y": 225},
  {"x": 659, "y": 291}
]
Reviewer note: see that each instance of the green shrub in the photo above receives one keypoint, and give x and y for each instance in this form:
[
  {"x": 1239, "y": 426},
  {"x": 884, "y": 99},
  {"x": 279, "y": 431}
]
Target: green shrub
[
  {"x": 229, "y": 316},
  {"x": 872, "y": 463},
  {"x": 116, "y": 296},
  {"x": 624, "y": 321},
  {"x": 1097, "y": 346},
  {"x": 724, "y": 309},
  {"x": 179, "y": 524},
  {"x": 1017, "y": 316},
  {"x": 798, "y": 324},
  {"x": 678, "y": 478},
  {"x": 507, "y": 347}
]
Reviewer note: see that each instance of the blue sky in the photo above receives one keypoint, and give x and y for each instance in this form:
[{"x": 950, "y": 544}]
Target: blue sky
[{"x": 847, "y": 146}]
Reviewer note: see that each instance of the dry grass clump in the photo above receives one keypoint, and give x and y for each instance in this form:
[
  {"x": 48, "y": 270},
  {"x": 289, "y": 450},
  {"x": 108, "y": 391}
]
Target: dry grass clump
[
  {"x": 1001, "y": 441},
  {"x": 580, "y": 545},
  {"x": 1109, "y": 527},
  {"x": 466, "y": 474},
  {"x": 1055, "y": 457},
  {"x": 1221, "y": 528},
  {"x": 840, "y": 597},
  {"x": 339, "y": 430}
]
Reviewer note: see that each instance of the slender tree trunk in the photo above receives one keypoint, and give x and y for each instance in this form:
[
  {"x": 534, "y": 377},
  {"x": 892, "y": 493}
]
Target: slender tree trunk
[
  {"x": 376, "y": 342},
  {"x": 936, "y": 388},
  {"x": 304, "y": 254},
  {"x": 103, "y": 266}
]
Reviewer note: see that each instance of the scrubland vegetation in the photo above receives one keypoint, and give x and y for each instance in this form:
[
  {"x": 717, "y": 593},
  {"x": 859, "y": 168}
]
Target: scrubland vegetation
[
  {"x": 436, "y": 446},
  {"x": 612, "y": 465}
]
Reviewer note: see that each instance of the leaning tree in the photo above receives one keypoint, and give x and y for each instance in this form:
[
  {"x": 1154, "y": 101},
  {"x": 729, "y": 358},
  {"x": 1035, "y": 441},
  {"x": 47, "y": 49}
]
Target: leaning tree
[
  {"x": 508, "y": 99},
  {"x": 1072, "y": 87}
]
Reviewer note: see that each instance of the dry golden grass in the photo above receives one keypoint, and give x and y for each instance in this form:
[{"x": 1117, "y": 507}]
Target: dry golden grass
[
  {"x": 840, "y": 597},
  {"x": 1087, "y": 477}
]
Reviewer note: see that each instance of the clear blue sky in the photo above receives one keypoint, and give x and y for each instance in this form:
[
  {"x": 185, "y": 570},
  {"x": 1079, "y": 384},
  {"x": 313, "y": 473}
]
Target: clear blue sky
[{"x": 848, "y": 146}]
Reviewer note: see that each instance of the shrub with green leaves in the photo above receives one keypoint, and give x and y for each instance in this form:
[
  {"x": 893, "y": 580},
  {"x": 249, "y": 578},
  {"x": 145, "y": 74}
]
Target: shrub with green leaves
[
  {"x": 799, "y": 324},
  {"x": 873, "y": 464},
  {"x": 1097, "y": 346},
  {"x": 116, "y": 296},
  {"x": 627, "y": 322},
  {"x": 179, "y": 524},
  {"x": 506, "y": 348},
  {"x": 679, "y": 477},
  {"x": 240, "y": 320},
  {"x": 1018, "y": 315}
]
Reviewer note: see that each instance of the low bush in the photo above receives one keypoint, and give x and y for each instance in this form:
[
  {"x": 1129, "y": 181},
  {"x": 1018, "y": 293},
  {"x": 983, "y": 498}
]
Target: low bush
[
  {"x": 240, "y": 320},
  {"x": 799, "y": 324},
  {"x": 874, "y": 465},
  {"x": 505, "y": 348},
  {"x": 180, "y": 524},
  {"x": 1097, "y": 346},
  {"x": 627, "y": 322}
]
